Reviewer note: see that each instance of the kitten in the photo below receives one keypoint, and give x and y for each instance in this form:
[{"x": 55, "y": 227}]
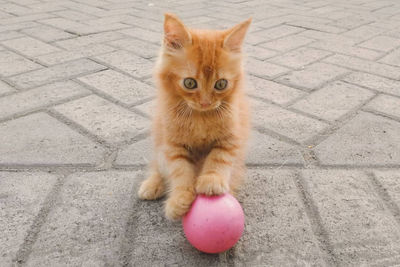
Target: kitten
[{"x": 201, "y": 123}]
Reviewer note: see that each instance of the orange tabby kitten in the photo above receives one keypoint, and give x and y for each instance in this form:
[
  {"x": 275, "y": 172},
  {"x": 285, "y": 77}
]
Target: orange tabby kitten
[{"x": 201, "y": 123}]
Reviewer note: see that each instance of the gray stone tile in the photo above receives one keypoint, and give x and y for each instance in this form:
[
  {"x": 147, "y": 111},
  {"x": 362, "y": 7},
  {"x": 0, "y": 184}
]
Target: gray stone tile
[
  {"x": 39, "y": 139},
  {"x": 275, "y": 92},
  {"x": 385, "y": 104},
  {"x": 56, "y": 73},
  {"x": 119, "y": 86},
  {"x": 104, "y": 119},
  {"x": 359, "y": 228},
  {"x": 292, "y": 125},
  {"x": 382, "y": 43},
  {"x": 130, "y": 63},
  {"x": 138, "y": 153},
  {"x": 263, "y": 68},
  {"x": 346, "y": 49},
  {"x": 333, "y": 101},
  {"x": 139, "y": 47},
  {"x": 313, "y": 76},
  {"x": 366, "y": 140},
  {"x": 263, "y": 149},
  {"x": 277, "y": 231},
  {"x": 300, "y": 57},
  {"x": 11, "y": 64},
  {"x": 390, "y": 182},
  {"x": 365, "y": 66},
  {"x": 87, "y": 223},
  {"x": 89, "y": 40},
  {"x": 26, "y": 101},
  {"x": 5, "y": 88},
  {"x": 77, "y": 53},
  {"x": 393, "y": 58},
  {"x": 374, "y": 82},
  {"x": 30, "y": 46},
  {"x": 47, "y": 33},
  {"x": 22, "y": 196},
  {"x": 287, "y": 43}
]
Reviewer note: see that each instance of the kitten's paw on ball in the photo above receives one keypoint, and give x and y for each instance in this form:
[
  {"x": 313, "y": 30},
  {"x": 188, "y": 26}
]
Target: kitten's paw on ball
[
  {"x": 212, "y": 184},
  {"x": 151, "y": 189},
  {"x": 178, "y": 204}
]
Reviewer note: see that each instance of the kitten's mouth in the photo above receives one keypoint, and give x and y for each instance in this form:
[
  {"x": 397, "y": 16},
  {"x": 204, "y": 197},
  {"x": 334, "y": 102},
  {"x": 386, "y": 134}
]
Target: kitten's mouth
[{"x": 200, "y": 108}]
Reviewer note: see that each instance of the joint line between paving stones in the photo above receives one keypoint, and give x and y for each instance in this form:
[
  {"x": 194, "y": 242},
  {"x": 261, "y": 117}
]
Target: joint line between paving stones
[
  {"x": 315, "y": 220},
  {"x": 387, "y": 200},
  {"x": 25, "y": 249}
]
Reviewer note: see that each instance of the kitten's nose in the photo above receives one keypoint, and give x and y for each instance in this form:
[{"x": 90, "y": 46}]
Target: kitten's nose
[{"x": 205, "y": 103}]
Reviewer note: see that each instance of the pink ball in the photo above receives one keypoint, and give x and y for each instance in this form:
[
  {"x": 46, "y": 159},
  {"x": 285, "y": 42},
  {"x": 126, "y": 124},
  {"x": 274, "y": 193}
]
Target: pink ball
[{"x": 214, "y": 224}]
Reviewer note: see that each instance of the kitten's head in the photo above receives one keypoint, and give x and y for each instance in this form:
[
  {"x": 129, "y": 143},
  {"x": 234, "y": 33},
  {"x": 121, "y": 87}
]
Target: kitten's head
[{"x": 201, "y": 67}]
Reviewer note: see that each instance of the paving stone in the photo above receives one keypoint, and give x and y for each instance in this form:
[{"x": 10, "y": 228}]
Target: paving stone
[
  {"x": 374, "y": 82},
  {"x": 358, "y": 227},
  {"x": 130, "y": 63},
  {"x": 340, "y": 48},
  {"x": 29, "y": 141},
  {"x": 364, "y": 32},
  {"x": 138, "y": 153},
  {"x": 56, "y": 72},
  {"x": 30, "y": 100},
  {"x": 9, "y": 35},
  {"x": 287, "y": 43},
  {"x": 264, "y": 149},
  {"x": 316, "y": 26},
  {"x": 11, "y": 64},
  {"x": 277, "y": 32},
  {"x": 389, "y": 180},
  {"x": 30, "y": 17},
  {"x": 300, "y": 57},
  {"x": 393, "y": 58},
  {"x": 22, "y": 196},
  {"x": 313, "y": 76},
  {"x": 104, "y": 119},
  {"x": 277, "y": 231},
  {"x": 382, "y": 43},
  {"x": 170, "y": 247},
  {"x": 284, "y": 122},
  {"x": 77, "y": 53},
  {"x": 139, "y": 47},
  {"x": 18, "y": 26},
  {"x": 275, "y": 92},
  {"x": 30, "y": 46},
  {"x": 74, "y": 15},
  {"x": 119, "y": 86},
  {"x": 385, "y": 104},
  {"x": 333, "y": 101},
  {"x": 366, "y": 140},
  {"x": 258, "y": 52},
  {"x": 89, "y": 40},
  {"x": 5, "y": 88},
  {"x": 147, "y": 107},
  {"x": 330, "y": 37},
  {"x": 263, "y": 69},
  {"x": 364, "y": 65},
  {"x": 87, "y": 223},
  {"x": 143, "y": 34},
  {"x": 47, "y": 33}
]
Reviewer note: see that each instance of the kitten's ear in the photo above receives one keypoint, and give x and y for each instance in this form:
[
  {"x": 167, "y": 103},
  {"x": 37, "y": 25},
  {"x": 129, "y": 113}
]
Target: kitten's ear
[
  {"x": 235, "y": 36},
  {"x": 176, "y": 35}
]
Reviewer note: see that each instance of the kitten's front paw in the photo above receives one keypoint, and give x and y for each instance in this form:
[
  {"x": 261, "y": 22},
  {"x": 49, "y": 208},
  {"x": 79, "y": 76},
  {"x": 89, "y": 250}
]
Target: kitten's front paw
[
  {"x": 151, "y": 189},
  {"x": 179, "y": 203},
  {"x": 212, "y": 184}
]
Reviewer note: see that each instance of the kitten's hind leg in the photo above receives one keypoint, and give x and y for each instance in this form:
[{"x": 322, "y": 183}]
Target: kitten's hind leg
[{"x": 153, "y": 187}]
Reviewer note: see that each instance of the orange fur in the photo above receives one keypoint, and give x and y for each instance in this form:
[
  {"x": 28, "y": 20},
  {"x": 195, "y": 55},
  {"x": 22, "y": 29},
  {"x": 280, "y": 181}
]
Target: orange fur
[{"x": 199, "y": 135}]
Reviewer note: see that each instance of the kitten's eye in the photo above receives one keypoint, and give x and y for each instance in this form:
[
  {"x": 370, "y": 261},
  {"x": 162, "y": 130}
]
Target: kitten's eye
[
  {"x": 190, "y": 83},
  {"x": 221, "y": 84}
]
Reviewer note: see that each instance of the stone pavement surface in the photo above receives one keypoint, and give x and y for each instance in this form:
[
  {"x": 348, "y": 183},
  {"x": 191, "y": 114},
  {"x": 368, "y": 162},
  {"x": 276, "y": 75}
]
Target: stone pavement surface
[{"x": 76, "y": 98}]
